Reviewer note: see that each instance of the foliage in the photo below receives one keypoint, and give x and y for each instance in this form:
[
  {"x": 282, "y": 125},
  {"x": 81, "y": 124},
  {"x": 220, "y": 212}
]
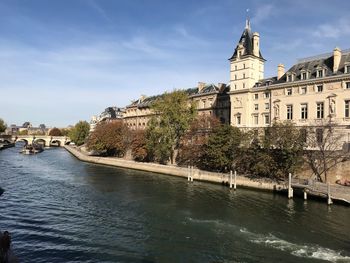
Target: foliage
[
  {"x": 3, "y": 125},
  {"x": 109, "y": 138},
  {"x": 138, "y": 146},
  {"x": 324, "y": 149},
  {"x": 65, "y": 131},
  {"x": 174, "y": 115},
  {"x": 79, "y": 133},
  {"x": 221, "y": 148},
  {"x": 23, "y": 132},
  {"x": 191, "y": 146},
  {"x": 55, "y": 132},
  {"x": 273, "y": 154}
]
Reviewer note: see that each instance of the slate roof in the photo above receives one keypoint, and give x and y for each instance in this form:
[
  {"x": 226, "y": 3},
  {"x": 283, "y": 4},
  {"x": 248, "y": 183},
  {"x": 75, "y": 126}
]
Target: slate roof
[
  {"x": 310, "y": 65},
  {"x": 315, "y": 63},
  {"x": 147, "y": 101},
  {"x": 247, "y": 41}
]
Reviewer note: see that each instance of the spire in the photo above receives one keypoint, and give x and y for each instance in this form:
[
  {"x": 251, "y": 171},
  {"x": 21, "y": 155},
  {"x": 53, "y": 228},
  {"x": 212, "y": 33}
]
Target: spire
[{"x": 247, "y": 21}]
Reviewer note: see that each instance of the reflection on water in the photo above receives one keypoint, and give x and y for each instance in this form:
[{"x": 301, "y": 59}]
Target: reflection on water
[{"x": 62, "y": 210}]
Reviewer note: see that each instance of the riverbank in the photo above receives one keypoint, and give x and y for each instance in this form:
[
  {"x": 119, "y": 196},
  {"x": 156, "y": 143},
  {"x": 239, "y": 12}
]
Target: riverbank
[{"x": 198, "y": 175}]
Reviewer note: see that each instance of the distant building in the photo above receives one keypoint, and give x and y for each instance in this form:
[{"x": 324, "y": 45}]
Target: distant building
[
  {"x": 210, "y": 100},
  {"x": 109, "y": 114}
]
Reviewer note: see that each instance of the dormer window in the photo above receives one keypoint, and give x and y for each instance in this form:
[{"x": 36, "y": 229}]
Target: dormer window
[
  {"x": 290, "y": 77},
  {"x": 304, "y": 75},
  {"x": 267, "y": 95},
  {"x": 347, "y": 68},
  {"x": 320, "y": 73}
]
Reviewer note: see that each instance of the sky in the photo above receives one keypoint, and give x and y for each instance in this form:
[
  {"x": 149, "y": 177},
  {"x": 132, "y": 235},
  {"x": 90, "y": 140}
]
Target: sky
[{"x": 62, "y": 61}]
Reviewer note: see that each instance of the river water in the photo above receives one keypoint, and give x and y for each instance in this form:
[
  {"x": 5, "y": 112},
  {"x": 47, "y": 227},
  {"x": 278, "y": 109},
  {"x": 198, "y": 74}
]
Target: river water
[{"x": 59, "y": 209}]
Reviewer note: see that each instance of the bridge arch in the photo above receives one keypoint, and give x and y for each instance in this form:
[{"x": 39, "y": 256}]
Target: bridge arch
[
  {"x": 42, "y": 142},
  {"x": 20, "y": 140},
  {"x": 55, "y": 143}
]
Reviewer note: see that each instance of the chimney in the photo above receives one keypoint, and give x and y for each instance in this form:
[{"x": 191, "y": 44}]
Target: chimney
[
  {"x": 336, "y": 59},
  {"x": 256, "y": 44},
  {"x": 280, "y": 71},
  {"x": 221, "y": 87},
  {"x": 201, "y": 86}
]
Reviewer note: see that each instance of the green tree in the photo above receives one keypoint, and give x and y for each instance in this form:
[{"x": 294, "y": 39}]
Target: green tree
[
  {"x": 272, "y": 153},
  {"x": 23, "y": 132},
  {"x": 109, "y": 138},
  {"x": 222, "y": 148},
  {"x": 55, "y": 132},
  {"x": 79, "y": 133},
  {"x": 191, "y": 147},
  {"x": 3, "y": 125},
  {"x": 174, "y": 115}
]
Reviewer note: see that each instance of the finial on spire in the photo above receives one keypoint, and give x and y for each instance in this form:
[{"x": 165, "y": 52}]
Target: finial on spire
[{"x": 247, "y": 21}]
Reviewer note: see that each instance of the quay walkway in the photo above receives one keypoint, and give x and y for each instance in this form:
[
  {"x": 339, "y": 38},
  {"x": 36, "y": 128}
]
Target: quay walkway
[{"x": 331, "y": 191}]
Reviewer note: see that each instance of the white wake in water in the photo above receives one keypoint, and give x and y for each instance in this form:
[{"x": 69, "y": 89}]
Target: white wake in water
[{"x": 307, "y": 251}]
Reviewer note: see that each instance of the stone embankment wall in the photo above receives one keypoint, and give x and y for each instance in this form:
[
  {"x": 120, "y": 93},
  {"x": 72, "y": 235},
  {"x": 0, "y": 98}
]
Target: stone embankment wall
[{"x": 198, "y": 175}]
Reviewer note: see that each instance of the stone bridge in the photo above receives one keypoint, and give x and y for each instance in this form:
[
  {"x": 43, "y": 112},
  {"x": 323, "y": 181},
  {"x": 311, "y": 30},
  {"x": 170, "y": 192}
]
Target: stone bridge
[{"x": 44, "y": 140}]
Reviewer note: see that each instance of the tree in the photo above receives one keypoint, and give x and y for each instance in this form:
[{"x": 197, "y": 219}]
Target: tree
[
  {"x": 3, "y": 125},
  {"x": 324, "y": 149},
  {"x": 65, "y": 131},
  {"x": 222, "y": 148},
  {"x": 55, "y": 132},
  {"x": 174, "y": 115},
  {"x": 109, "y": 138},
  {"x": 23, "y": 132},
  {"x": 274, "y": 153},
  {"x": 79, "y": 133},
  {"x": 191, "y": 146},
  {"x": 138, "y": 146}
]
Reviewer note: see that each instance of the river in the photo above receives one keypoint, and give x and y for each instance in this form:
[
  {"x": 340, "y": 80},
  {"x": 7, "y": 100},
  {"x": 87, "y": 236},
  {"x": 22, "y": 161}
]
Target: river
[{"x": 59, "y": 209}]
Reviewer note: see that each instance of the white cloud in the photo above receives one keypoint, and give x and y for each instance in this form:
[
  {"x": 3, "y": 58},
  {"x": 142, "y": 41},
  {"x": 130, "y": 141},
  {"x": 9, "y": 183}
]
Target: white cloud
[
  {"x": 336, "y": 29},
  {"x": 263, "y": 13}
]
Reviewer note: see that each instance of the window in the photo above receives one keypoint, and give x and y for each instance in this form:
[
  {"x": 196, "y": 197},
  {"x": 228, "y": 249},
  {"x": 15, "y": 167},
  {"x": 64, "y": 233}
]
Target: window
[
  {"x": 266, "y": 119},
  {"x": 238, "y": 119},
  {"x": 243, "y": 65},
  {"x": 289, "y": 92},
  {"x": 303, "y": 111},
  {"x": 347, "y": 85},
  {"x": 303, "y": 135},
  {"x": 235, "y": 86},
  {"x": 235, "y": 77},
  {"x": 267, "y": 106},
  {"x": 289, "y": 78},
  {"x": 289, "y": 112},
  {"x": 319, "y": 135},
  {"x": 347, "y": 108},
  {"x": 303, "y": 90},
  {"x": 319, "y": 88},
  {"x": 304, "y": 75},
  {"x": 236, "y": 67},
  {"x": 267, "y": 95},
  {"x": 244, "y": 75},
  {"x": 256, "y": 96},
  {"x": 320, "y": 110},
  {"x": 243, "y": 85},
  {"x": 347, "y": 69},
  {"x": 256, "y": 106},
  {"x": 256, "y": 119},
  {"x": 320, "y": 73}
]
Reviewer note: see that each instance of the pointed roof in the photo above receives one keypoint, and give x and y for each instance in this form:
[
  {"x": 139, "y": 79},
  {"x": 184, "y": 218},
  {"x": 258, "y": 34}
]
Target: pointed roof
[{"x": 246, "y": 41}]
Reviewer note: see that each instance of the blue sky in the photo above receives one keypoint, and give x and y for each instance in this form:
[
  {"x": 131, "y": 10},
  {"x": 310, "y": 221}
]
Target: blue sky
[{"x": 62, "y": 61}]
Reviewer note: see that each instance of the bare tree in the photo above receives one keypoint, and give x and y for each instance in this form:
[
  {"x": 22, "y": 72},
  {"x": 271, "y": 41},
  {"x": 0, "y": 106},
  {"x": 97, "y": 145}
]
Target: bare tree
[{"x": 324, "y": 148}]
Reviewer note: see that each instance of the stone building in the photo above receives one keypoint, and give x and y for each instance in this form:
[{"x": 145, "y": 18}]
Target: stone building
[
  {"x": 210, "y": 100},
  {"x": 109, "y": 114},
  {"x": 312, "y": 92}
]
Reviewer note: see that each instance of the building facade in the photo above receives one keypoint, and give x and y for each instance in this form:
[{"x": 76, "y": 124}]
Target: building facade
[
  {"x": 109, "y": 114},
  {"x": 310, "y": 93},
  {"x": 210, "y": 100}
]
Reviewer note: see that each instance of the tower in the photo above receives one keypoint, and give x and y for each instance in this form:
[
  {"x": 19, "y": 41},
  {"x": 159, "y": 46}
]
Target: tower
[{"x": 247, "y": 63}]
